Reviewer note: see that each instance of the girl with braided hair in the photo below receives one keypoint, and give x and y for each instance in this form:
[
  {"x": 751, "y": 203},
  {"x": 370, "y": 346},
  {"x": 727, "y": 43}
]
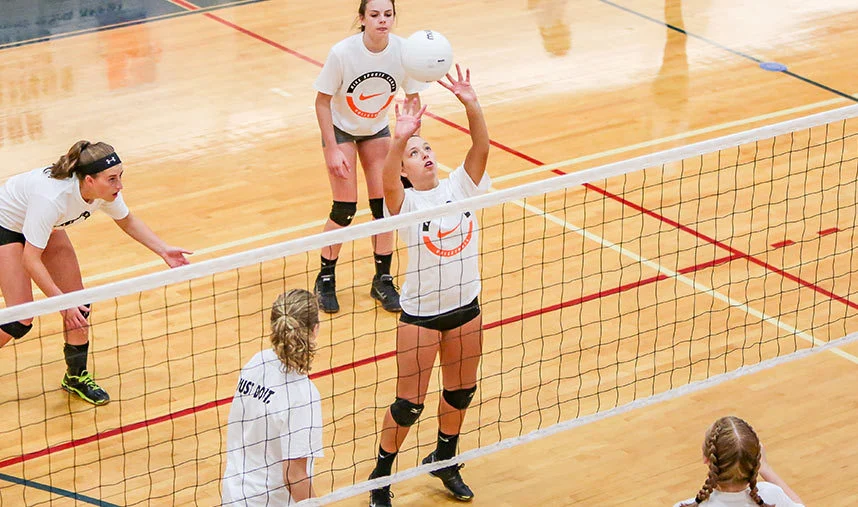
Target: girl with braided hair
[
  {"x": 736, "y": 460},
  {"x": 275, "y": 422}
]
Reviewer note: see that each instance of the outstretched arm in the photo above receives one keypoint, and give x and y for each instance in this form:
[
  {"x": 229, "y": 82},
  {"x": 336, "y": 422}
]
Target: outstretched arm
[
  {"x": 478, "y": 155},
  {"x": 407, "y": 123},
  {"x": 137, "y": 229}
]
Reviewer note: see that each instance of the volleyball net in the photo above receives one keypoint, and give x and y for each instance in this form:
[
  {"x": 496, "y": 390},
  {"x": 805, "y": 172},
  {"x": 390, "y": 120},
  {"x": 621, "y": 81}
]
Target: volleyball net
[{"x": 602, "y": 289}]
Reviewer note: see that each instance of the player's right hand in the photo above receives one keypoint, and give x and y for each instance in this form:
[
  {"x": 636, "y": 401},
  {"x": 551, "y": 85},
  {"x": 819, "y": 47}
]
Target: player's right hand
[{"x": 337, "y": 164}]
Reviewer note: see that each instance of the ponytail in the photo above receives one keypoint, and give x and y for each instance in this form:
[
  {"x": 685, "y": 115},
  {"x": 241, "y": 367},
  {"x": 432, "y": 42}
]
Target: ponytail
[
  {"x": 80, "y": 154},
  {"x": 294, "y": 317}
]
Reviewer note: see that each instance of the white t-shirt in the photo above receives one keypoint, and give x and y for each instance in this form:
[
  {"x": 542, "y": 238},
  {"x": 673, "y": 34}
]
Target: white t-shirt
[
  {"x": 772, "y": 494},
  {"x": 34, "y": 204},
  {"x": 275, "y": 416},
  {"x": 443, "y": 254},
  {"x": 363, "y": 84}
]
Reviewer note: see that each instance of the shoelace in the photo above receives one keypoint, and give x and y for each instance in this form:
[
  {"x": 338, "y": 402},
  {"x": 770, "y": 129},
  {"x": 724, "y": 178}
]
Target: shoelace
[
  {"x": 89, "y": 381},
  {"x": 389, "y": 281}
]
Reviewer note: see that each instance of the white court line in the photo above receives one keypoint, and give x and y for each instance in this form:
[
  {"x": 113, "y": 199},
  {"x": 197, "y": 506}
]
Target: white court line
[
  {"x": 282, "y": 93},
  {"x": 655, "y": 142},
  {"x": 678, "y": 277},
  {"x": 507, "y": 177}
]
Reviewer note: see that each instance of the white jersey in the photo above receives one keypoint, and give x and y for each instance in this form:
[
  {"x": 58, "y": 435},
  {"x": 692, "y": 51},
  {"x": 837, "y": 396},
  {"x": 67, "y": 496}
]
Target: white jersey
[
  {"x": 34, "y": 204},
  {"x": 275, "y": 416},
  {"x": 363, "y": 84},
  {"x": 443, "y": 254},
  {"x": 772, "y": 494}
]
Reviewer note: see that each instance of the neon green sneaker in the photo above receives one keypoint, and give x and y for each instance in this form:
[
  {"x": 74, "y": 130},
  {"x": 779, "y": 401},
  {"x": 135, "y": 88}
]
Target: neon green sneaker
[{"x": 85, "y": 387}]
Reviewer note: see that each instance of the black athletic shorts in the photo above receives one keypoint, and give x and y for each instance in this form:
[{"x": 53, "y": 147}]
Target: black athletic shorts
[
  {"x": 447, "y": 320},
  {"x": 7, "y": 237},
  {"x": 345, "y": 137}
]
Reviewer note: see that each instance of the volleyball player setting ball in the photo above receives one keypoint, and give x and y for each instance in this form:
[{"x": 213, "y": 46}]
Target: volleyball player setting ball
[
  {"x": 440, "y": 307},
  {"x": 358, "y": 83},
  {"x": 35, "y": 209}
]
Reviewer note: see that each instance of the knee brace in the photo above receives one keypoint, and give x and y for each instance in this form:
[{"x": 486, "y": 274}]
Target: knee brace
[
  {"x": 404, "y": 412},
  {"x": 377, "y": 207},
  {"x": 16, "y": 329},
  {"x": 342, "y": 213},
  {"x": 461, "y": 398}
]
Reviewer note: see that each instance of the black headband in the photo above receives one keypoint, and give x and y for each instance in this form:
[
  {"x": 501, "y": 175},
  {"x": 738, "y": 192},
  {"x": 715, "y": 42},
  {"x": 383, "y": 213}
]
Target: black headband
[{"x": 99, "y": 165}]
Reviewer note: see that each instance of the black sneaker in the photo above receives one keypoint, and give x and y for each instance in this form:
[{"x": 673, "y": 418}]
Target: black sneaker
[
  {"x": 452, "y": 479},
  {"x": 326, "y": 291},
  {"x": 385, "y": 292},
  {"x": 84, "y": 386},
  {"x": 380, "y": 497}
]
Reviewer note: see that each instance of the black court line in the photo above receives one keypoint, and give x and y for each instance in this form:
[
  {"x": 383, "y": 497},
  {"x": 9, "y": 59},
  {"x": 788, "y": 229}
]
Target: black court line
[
  {"x": 728, "y": 49},
  {"x": 57, "y": 491},
  {"x": 181, "y": 13}
]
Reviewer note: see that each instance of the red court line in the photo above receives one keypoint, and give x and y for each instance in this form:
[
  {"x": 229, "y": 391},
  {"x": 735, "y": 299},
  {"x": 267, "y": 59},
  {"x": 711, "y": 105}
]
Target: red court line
[
  {"x": 828, "y": 231},
  {"x": 186, "y": 5},
  {"x": 349, "y": 366},
  {"x": 724, "y": 246},
  {"x": 781, "y": 244}
]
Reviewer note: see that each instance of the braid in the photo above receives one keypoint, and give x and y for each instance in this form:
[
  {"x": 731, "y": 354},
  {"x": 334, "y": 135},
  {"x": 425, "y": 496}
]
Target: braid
[
  {"x": 711, "y": 453},
  {"x": 752, "y": 484},
  {"x": 734, "y": 455}
]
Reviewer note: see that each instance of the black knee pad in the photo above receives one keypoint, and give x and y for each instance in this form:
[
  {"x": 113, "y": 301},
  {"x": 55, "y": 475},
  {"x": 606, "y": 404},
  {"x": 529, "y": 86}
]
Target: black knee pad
[
  {"x": 377, "y": 207},
  {"x": 461, "y": 398},
  {"x": 16, "y": 329},
  {"x": 87, "y": 311},
  {"x": 404, "y": 412},
  {"x": 342, "y": 213}
]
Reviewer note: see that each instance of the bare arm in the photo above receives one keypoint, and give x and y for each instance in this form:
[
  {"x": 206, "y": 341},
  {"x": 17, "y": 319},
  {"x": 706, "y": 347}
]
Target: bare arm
[
  {"x": 769, "y": 475},
  {"x": 37, "y": 270},
  {"x": 478, "y": 155},
  {"x": 407, "y": 123},
  {"x": 32, "y": 261},
  {"x": 141, "y": 232},
  {"x": 299, "y": 484},
  {"x": 334, "y": 158}
]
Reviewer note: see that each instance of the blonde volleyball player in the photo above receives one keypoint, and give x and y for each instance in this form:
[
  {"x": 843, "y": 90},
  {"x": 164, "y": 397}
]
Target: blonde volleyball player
[
  {"x": 440, "y": 309},
  {"x": 359, "y": 81},
  {"x": 275, "y": 422},
  {"x": 35, "y": 209},
  {"x": 736, "y": 461}
]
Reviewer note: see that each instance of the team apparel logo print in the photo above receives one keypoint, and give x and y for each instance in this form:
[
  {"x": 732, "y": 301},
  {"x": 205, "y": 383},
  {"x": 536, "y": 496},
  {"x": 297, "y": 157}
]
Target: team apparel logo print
[
  {"x": 365, "y": 88},
  {"x": 448, "y": 252}
]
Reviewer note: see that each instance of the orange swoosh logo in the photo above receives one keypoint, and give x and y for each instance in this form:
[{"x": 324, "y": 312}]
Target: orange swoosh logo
[
  {"x": 367, "y": 97},
  {"x": 442, "y": 234}
]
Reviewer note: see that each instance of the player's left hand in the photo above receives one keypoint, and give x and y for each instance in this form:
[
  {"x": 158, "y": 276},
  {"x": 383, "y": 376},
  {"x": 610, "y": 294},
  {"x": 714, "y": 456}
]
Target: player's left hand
[
  {"x": 175, "y": 256},
  {"x": 461, "y": 87}
]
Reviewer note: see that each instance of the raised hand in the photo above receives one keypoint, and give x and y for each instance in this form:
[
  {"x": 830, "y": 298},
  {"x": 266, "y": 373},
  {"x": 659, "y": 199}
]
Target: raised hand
[
  {"x": 408, "y": 119},
  {"x": 461, "y": 87}
]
